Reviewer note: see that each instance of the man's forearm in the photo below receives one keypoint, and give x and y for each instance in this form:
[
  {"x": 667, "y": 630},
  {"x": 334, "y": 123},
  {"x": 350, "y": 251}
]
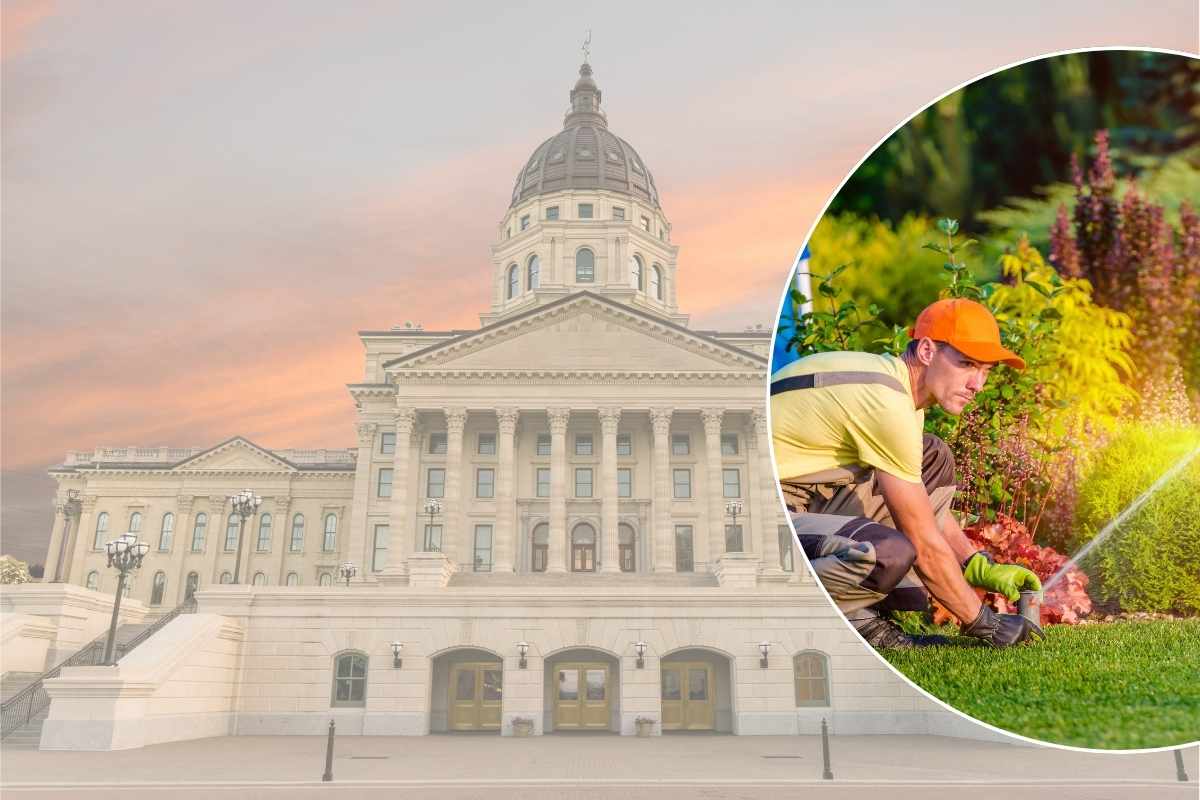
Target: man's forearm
[{"x": 952, "y": 532}]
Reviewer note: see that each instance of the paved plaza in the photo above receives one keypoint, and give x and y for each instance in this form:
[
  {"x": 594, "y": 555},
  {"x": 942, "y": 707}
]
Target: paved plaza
[{"x": 601, "y": 766}]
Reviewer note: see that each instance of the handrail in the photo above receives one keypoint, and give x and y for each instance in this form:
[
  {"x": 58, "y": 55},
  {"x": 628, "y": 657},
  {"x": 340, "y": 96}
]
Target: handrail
[{"x": 23, "y": 706}]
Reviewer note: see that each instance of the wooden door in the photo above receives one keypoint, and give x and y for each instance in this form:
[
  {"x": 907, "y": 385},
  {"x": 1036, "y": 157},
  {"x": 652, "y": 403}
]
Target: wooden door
[
  {"x": 688, "y": 702},
  {"x": 476, "y": 691},
  {"x": 581, "y": 696}
]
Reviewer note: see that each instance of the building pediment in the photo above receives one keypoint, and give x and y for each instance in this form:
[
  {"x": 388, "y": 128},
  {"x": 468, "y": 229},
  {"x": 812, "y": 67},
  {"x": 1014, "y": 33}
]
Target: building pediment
[
  {"x": 235, "y": 455},
  {"x": 583, "y": 332}
]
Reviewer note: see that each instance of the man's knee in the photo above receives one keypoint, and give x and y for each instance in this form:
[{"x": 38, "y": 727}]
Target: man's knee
[
  {"x": 937, "y": 463},
  {"x": 894, "y": 553}
]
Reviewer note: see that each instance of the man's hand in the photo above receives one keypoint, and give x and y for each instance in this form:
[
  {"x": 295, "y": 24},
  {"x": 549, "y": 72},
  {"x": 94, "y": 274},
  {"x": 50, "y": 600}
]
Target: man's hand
[
  {"x": 1007, "y": 579},
  {"x": 1002, "y": 630}
]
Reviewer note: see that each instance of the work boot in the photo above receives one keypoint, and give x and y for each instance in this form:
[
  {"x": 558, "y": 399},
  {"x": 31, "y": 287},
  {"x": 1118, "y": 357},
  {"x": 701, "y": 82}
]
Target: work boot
[{"x": 882, "y": 633}]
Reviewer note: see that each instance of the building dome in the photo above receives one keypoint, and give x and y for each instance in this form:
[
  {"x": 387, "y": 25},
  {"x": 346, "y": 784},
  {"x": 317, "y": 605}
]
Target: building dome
[{"x": 585, "y": 154}]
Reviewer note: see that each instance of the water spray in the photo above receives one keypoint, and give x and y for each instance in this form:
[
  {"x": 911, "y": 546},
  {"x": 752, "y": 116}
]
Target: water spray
[{"x": 1129, "y": 511}]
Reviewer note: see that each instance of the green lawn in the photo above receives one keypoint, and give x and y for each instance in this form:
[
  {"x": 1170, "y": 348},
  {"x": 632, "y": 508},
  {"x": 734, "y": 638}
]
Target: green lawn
[{"x": 1119, "y": 685}]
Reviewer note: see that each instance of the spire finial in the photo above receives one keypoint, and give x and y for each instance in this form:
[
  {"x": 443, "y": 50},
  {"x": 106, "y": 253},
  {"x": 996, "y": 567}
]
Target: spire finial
[{"x": 587, "y": 46}]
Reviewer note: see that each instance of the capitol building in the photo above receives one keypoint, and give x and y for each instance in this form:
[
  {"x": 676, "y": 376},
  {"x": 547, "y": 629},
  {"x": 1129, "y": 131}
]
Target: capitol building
[{"x": 564, "y": 520}]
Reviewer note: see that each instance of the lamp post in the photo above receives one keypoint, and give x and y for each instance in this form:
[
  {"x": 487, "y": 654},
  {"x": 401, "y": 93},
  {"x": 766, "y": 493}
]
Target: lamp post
[
  {"x": 347, "y": 570},
  {"x": 733, "y": 508},
  {"x": 245, "y": 503},
  {"x": 432, "y": 508},
  {"x": 126, "y": 554},
  {"x": 69, "y": 508}
]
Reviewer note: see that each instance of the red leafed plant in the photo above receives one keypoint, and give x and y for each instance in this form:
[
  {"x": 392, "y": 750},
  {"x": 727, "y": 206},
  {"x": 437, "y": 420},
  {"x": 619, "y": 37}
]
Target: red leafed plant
[{"x": 1009, "y": 542}]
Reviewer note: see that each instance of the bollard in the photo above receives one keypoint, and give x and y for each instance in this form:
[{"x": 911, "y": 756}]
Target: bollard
[
  {"x": 328, "y": 776},
  {"x": 1180, "y": 772},
  {"x": 828, "y": 775}
]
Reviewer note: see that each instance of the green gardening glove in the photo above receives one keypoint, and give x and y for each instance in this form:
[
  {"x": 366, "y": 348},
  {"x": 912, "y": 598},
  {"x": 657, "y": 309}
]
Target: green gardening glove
[{"x": 1007, "y": 579}]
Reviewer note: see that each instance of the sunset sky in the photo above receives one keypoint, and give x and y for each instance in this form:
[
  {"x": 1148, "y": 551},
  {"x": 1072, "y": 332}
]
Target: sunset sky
[{"x": 203, "y": 202}]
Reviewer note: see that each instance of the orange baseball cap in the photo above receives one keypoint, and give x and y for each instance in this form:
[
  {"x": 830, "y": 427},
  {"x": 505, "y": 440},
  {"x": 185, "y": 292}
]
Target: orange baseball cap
[{"x": 968, "y": 327}]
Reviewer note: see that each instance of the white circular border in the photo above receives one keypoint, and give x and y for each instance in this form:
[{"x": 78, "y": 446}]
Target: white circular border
[{"x": 770, "y": 427}]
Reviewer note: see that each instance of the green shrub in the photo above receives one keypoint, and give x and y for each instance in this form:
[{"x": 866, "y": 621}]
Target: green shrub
[{"x": 1152, "y": 561}]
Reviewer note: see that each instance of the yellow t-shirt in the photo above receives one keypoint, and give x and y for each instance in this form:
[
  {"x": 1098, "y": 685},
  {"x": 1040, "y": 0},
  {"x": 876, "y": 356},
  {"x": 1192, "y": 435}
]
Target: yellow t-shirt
[{"x": 868, "y": 424}]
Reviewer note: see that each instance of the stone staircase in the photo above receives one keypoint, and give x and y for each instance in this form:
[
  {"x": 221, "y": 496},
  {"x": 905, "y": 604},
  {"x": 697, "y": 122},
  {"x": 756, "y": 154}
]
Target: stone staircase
[{"x": 13, "y": 682}]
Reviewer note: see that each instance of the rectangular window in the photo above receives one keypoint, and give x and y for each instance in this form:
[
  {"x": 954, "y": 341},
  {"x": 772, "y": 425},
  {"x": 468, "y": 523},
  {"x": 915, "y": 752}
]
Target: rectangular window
[
  {"x": 731, "y": 483},
  {"x": 646, "y": 224},
  {"x": 624, "y": 444},
  {"x": 618, "y": 213},
  {"x": 485, "y": 482},
  {"x": 624, "y": 482},
  {"x": 683, "y": 484},
  {"x": 543, "y": 444},
  {"x": 383, "y": 487},
  {"x": 433, "y": 539},
  {"x": 681, "y": 444},
  {"x": 483, "y": 548},
  {"x": 583, "y": 444},
  {"x": 685, "y": 560},
  {"x": 583, "y": 482},
  {"x": 487, "y": 444},
  {"x": 524, "y": 221},
  {"x": 733, "y": 538},
  {"x": 552, "y": 213},
  {"x": 729, "y": 444},
  {"x": 380, "y": 548},
  {"x": 785, "y": 549},
  {"x": 585, "y": 210},
  {"x": 437, "y": 443},
  {"x": 435, "y": 482},
  {"x": 543, "y": 482},
  {"x": 387, "y": 444}
]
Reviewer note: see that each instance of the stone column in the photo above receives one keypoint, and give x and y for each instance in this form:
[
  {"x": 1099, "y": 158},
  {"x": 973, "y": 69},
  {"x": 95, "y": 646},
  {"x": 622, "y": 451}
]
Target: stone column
[
  {"x": 453, "y": 542},
  {"x": 556, "y": 552},
  {"x": 360, "y": 544},
  {"x": 281, "y": 532},
  {"x": 73, "y": 570},
  {"x": 215, "y": 538},
  {"x": 609, "y": 419},
  {"x": 60, "y": 535},
  {"x": 768, "y": 496},
  {"x": 663, "y": 533},
  {"x": 506, "y": 507},
  {"x": 400, "y": 510},
  {"x": 716, "y": 500}
]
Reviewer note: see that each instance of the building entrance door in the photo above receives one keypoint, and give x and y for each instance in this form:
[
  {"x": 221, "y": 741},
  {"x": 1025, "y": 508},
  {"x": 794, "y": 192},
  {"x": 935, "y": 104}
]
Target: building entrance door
[
  {"x": 687, "y": 696},
  {"x": 581, "y": 696},
  {"x": 475, "y": 692}
]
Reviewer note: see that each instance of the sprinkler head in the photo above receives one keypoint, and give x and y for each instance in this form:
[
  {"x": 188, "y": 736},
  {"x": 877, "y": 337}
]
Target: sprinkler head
[{"x": 1030, "y": 606}]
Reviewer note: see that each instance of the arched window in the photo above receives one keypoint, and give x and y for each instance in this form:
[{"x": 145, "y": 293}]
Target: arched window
[
  {"x": 101, "y": 531},
  {"x": 626, "y": 541},
  {"x": 533, "y": 273},
  {"x": 329, "y": 543},
  {"x": 293, "y": 579},
  {"x": 232, "y": 526},
  {"x": 166, "y": 533},
  {"x": 157, "y": 588},
  {"x": 260, "y": 579},
  {"x": 585, "y": 266},
  {"x": 514, "y": 282},
  {"x": 812, "y": 678},
  {"x": 349, "y": 679},
  {"x": 540, "y": 549},
  {"x": 297, "y": 534},
  {"x": 226, "y": 577},
  {"x": 264, "y": 533},
  {"x": 637, "y": 275},
  {"x": 198, "y": 532},
  {"x": 583, "y": 548},
  {"x": 656, "y": 282},
  {"x": 326, "y": 579},
  {"x": 135, "y": 522},
  {"x": 193, "y": 583},
  {"x": 93, "y": 581}
]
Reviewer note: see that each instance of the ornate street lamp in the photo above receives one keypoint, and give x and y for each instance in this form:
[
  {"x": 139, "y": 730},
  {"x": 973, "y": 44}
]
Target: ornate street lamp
[
  {"x": 245, "y": 503},
  {"x": 126, "y": 554},
  {"x": 347, "y": 571},
  {"x": 764, "y": 648},
  {"x": 733, "y": 508},
  {"x": 432, "y": 508},
  {"x": 396, "y": 648},
  {"x": 640, "y": 647},
  {"x": 523, "y": 649},
  {"x": 68, "y": 508}
]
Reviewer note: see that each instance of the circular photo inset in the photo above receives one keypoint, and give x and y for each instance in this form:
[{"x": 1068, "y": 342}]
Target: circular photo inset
[{"x": 985, "y": 399}]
